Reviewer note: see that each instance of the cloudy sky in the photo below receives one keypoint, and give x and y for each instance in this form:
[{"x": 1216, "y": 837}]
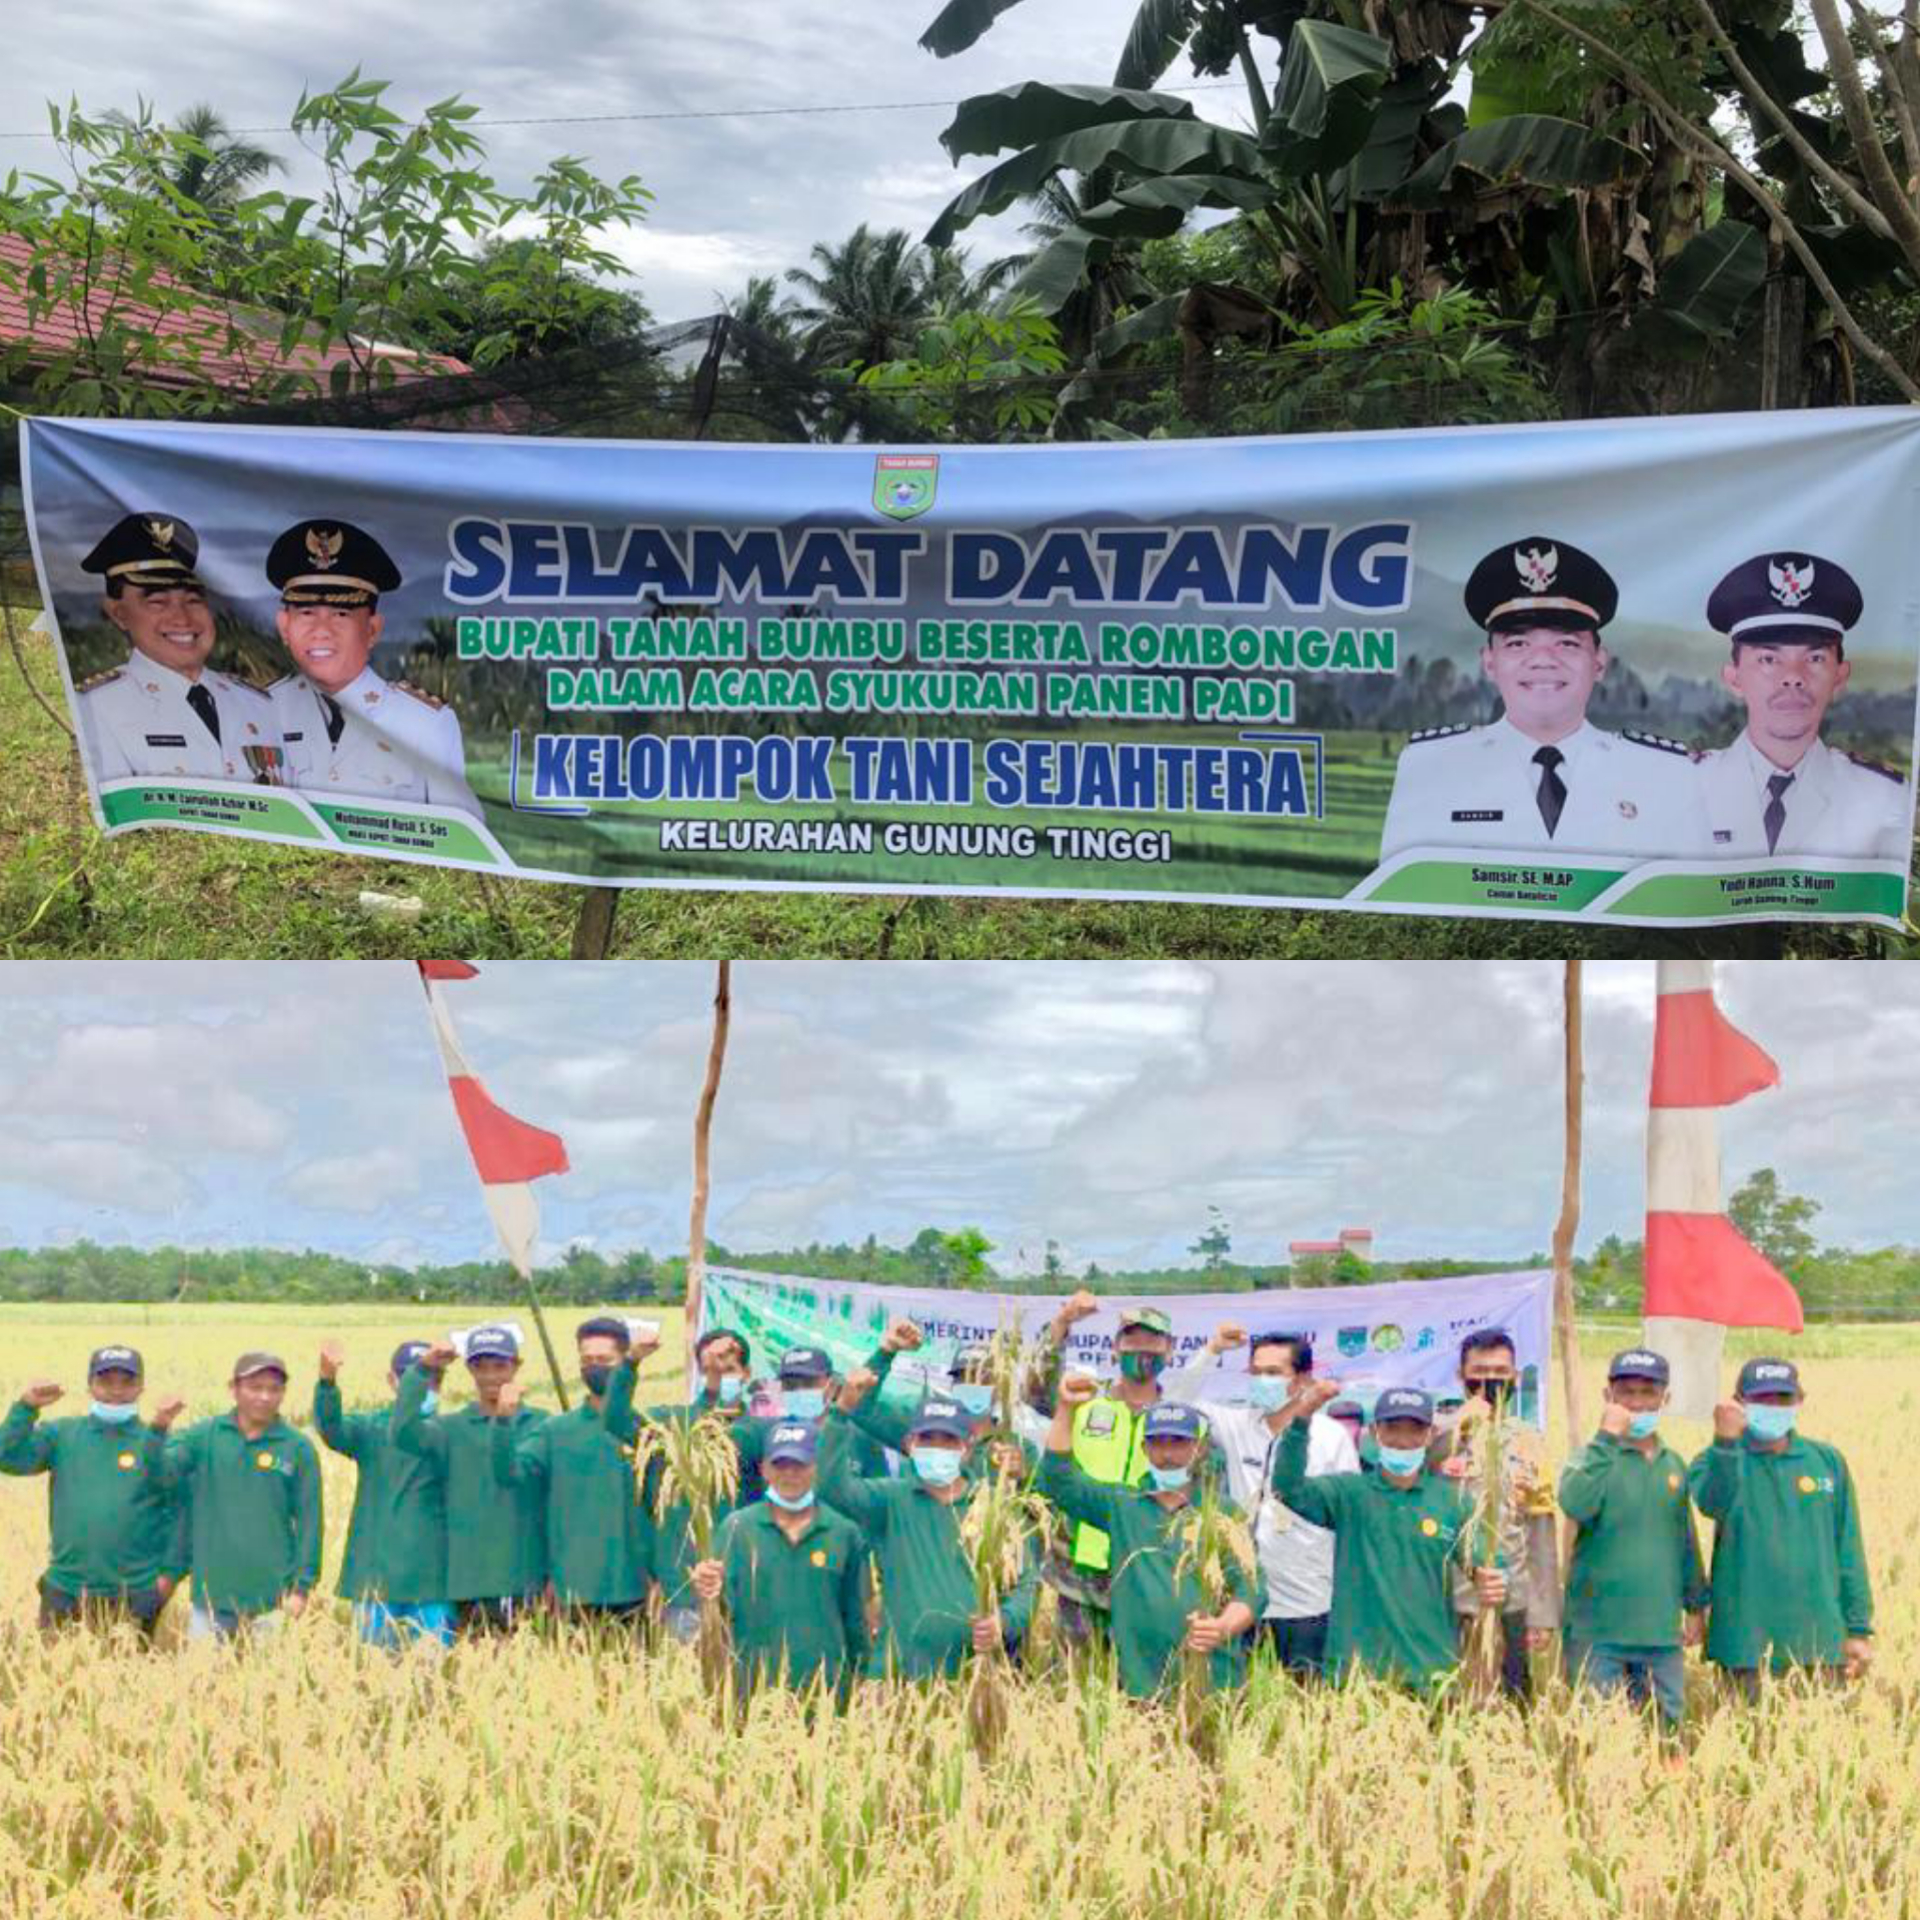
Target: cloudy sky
[
  {"x": 734, "y": 196},
  {"x": 1104, "y": 1105}
]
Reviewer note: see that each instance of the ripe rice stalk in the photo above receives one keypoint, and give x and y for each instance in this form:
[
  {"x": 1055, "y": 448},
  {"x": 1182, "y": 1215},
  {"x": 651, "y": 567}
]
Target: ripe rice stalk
[
  {"x": 1213, "y": 1541},
  {"x": 1003, "y": 1524},
  {"x": 700, "y": 1470},
  {"x": 1484, "y": 1525}
]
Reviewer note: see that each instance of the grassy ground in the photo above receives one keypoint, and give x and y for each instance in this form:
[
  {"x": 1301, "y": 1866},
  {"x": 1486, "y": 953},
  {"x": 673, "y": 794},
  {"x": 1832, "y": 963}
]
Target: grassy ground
[
  {"x": 65, "y": 891},
  {"x": 550, "y": 1775}
]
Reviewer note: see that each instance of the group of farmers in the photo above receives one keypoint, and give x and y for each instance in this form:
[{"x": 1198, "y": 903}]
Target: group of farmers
[{"x": 1397, "y": 1539}]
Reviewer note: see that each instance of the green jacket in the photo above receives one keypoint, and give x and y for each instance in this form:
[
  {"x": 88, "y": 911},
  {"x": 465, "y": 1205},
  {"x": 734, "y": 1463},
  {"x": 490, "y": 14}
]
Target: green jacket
[
  {"x": 112, "y": 1524},
  {"x": 1789, "y": 1570},
  {"x": 1150, "y": 1604},
  {"x": 496, "y": 1534},
  {"x": 797, "y": 1608},
  {"x": 397, "y": 1538},
  {"x": 926, "y": 1580},
  {"x": 1392, "y": 1554},
  {"x": 672, "y": 1542},
  {"x": 1636, "y": 1561},
  {"x": 599, "y": 1538},
  {"x": 256, "y": 1511}
]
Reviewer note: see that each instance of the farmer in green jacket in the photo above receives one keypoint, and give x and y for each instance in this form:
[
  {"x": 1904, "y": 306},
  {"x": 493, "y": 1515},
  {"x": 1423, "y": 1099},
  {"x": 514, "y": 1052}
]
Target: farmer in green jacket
[
  {"x": 722, "y": 1358},
  {"x": 1790, "y": 1586},
  {"x": 793, "y": 1576},
  {"x": 395, "y": 1568},
  {"x": 969, "y": 1381},
  {"x": 254, "y": 1484},
  {"x": 1396, "y": 1535},
  {"x": 929, "y": 1617},
  {"x": 1636, "y": 1588},
  {"x": 599, "y": 1537},
  {"x": 496, "y": 1533},
  {"x": 112, "y": 1526},
  {"x": 1157, "y": 1610}
]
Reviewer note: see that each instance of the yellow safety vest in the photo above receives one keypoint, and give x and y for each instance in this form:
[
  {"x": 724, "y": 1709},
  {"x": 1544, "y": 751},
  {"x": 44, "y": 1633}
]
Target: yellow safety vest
[{"x": 1108, "y": 1447}]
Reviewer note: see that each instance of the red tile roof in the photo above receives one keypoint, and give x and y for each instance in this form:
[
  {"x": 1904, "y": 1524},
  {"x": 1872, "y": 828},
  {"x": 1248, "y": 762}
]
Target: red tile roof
[{"x": 235, "y": 348}]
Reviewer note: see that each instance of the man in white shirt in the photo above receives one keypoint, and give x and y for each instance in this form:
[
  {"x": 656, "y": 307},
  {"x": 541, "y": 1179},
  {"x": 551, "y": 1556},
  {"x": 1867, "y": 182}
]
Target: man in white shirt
[
  {"x": 1249, "y": 1414},
  {"x": 350, "y": 734},
  {"x": 1779, "y": 788},
  {"x": 166, "y": 711},
  {"x": 1542, "y": 778}
]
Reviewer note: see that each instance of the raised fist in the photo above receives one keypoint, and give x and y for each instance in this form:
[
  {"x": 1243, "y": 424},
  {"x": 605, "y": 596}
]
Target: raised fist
[
  {"x": 860, "y": 1382},
  {"x": 167, "y": 1412},
  {"x": 902, "y": 1337},
  {"x": 438, "y": 1357},
  {"x": 43, "y": 1393},
  {"x": 333, "y": 1356},
  {"x": 1228, "y": 1335},
  {"x": 1616, "y": 1419},
  {"x": 1729, "y": 1420},
  {"x": 1083, "y": 1306},
  {"x": 1077, "y": 1389},
  {"x": 1315, "y": 1392}
]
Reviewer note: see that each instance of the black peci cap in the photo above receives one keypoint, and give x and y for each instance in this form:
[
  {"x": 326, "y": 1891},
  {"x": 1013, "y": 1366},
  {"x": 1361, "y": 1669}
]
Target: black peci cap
[
  {"x": 1540, "y": 582},
  {"x": 330, "y": 563},
  {"x": 147, "y": 550}
]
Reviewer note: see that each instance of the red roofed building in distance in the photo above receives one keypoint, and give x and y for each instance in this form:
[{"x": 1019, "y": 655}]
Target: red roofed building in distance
[{"x": 1357, "y": 1241}]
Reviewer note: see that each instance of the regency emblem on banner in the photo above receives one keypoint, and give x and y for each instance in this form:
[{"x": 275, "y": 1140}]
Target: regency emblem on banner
[{"x": 903, "y": 483}]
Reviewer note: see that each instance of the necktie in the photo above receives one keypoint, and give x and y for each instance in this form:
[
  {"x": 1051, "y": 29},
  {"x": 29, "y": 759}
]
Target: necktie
[
  {"x": 336, "y": 720},
  {"x": 201, "y": 701},
  {"x": 1775, "y": 816},
  {"x": 1553, "y": 790}
]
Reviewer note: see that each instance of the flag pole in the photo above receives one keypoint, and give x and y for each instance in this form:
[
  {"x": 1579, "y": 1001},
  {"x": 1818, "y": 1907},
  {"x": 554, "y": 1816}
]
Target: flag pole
[
  {"x": 546, "y": 1339},
  {"x": 702, "y": 1130},
  {"x": 1569, "y": 1222}
]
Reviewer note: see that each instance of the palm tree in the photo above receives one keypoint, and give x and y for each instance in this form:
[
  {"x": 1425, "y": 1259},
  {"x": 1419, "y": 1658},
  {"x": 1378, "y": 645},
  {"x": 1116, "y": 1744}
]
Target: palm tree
[
  {"x": 199, "y": 157},
  {"x": 865, "y": 300}
]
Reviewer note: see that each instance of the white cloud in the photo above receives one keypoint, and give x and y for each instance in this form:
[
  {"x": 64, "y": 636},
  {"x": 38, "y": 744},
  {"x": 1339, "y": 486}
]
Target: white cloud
[{"x": 358, "y": 1183}]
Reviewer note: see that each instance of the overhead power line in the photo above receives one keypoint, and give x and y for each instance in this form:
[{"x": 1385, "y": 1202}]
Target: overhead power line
[{"x": 698, "y": 113}]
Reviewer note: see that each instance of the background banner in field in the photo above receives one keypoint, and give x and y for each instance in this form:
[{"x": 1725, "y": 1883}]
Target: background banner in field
[
  {"x": 1404, "y": 1333},
  {"x": 1237, "y": 670}
]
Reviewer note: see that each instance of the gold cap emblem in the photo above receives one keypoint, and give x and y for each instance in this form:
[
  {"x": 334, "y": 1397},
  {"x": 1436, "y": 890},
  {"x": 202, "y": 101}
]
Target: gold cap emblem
[
  {"x": 160, "y": 532},
  {"x": 323, "y": 546}
]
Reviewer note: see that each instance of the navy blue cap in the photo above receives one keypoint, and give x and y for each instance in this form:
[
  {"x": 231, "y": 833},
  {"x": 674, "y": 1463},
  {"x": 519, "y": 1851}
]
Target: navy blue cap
[
  {"x": 1639, "y": 1363},
  {"x": 1404, "y": 1403},
  {"x": 1171, "y": 1420},
  {"x": 805, "y": 1363},
  {"x": 1346, "y": 1410},
  {"x": 942, "y": 1416},
  {"x": 973, "y": 1359},
  {"x": 154, "y": 550},
  {"x": 1767, "y": 1376},
  {"x": 115, "y": 1360},
  {"x": 405, "y": 1354},
  {"x": 1786, "y": 599},
  {"x": 330, "y": 563},
  {"x": 492, "y": 1343},
  {"x": 791, "y": 1442},
  {"x": 1540, "y": 582}
]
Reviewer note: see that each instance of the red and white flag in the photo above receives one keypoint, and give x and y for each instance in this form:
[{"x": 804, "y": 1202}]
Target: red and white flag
[
  {"x": 508, "y": 1154},
  {"x": 1702, "y": 1274}
]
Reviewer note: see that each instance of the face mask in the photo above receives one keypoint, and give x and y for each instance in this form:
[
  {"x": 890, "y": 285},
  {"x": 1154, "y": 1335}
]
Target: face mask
[
  {"x": 798, "y": 1504},
  {"x": 595, "y": 1379},
  {"x": 1269, "y": 1391},
  {"x": 1402, "y": 1459},
  {"x": 429, "y": 1401},
  {"x": 732, "y": 1386},
  {"x": 1142, "y": 1366},
  {"x": 937, "y": 1466},
  {"x": 1170, "y": 1479},
  {"x": 114, "y": 1416},
  {"x": 804, "y": 1403},
  {"x": 1641, "y": 1426},
  {"x": 1493, "y": 1391},
  {"x": 1771, "y": 1423},
  {"x": 975, "y": 1395}
]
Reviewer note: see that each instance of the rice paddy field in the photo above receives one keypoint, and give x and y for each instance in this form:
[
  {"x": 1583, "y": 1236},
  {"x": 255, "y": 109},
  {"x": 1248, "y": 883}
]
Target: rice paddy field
[{"x": 551, "y": 1776}]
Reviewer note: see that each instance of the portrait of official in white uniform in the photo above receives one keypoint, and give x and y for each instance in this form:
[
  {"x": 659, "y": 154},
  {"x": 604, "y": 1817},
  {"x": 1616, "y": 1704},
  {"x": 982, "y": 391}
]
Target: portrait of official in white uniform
[
  {"x": 1779, "y": 788},
  {"x": 165, "y": 711},
  {"x": 1542, "y": 778},
  {"x": 348, "y": 732}
]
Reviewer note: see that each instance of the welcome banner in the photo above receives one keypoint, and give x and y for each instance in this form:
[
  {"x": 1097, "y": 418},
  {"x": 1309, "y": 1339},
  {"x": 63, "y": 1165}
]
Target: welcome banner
[
  {"x": 1657, "y": 671},
  {"x": 1404, "y": 1333}
]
